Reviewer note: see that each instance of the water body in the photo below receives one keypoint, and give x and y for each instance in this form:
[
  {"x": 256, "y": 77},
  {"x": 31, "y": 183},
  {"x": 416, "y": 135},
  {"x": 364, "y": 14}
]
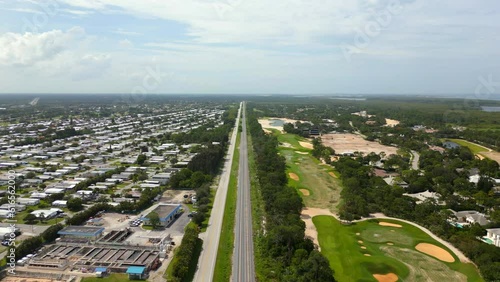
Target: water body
[
  {"x": 276, "y": 122},
  {"x": 490, "y": 109}
]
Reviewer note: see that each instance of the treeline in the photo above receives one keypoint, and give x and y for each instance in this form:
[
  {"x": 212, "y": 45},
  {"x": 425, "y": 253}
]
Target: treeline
[
  {"x": 208, "y": 160},
  {"x": 184, "y": 255},
  {"x": 28, "y": 245},
  {"x": 321, "y": 151},
  {"x": 81, "y": 217},
  {"x": 285, "y": 254}
]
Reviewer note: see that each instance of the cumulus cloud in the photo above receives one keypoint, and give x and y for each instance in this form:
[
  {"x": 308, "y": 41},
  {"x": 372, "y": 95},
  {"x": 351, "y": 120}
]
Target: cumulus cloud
[{"x": 30, "y": 48}]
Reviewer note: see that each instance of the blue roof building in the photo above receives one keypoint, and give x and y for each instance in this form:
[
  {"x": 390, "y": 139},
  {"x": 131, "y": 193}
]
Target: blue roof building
[
  {"x": 136, "y": 272},
  {"x": 166, "y": 212}
]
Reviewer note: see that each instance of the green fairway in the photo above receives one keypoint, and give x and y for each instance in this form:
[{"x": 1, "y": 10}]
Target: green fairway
[
  {"x": 323, "y": 188},
  {"x": 476, "y": 149},
  {"x": 362, "y": 249}
]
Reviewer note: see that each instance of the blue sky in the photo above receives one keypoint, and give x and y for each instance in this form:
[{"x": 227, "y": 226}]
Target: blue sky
[{"x": 249, "y": 46}]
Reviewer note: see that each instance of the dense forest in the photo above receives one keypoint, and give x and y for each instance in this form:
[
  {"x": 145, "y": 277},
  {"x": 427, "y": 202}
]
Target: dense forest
[{"x": 283, "y": 253}]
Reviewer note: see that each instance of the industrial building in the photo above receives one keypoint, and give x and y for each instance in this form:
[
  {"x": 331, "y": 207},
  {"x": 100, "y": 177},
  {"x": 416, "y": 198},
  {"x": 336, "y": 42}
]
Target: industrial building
[{"x": 166, "y": 212}]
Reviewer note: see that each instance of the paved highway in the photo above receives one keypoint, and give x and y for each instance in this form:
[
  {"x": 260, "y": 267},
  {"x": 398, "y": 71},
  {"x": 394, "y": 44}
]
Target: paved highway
[
  {"x": 206, "y": 263},
  {"x": 243, "y": 259}
]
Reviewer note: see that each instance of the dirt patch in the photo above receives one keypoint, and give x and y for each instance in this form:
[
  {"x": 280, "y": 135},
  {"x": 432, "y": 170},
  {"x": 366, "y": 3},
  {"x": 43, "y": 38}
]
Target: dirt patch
[
  {"x": 435, "y": 251},
  {"x": 391, "y": 122},
  {"x": 347, "y": 143},
  {"x": 389, "y": 277},
  {"x": 307, "y": 145},
  {"x": 293, "y": 176},
  {"x": 302, "y": 153},
  {"x": 492, "y": 155},
  {"x": 304, "y": 192},
  {"x": 267, "y": 131},
  {"x": 389, "y": 224},
  {"x": 332, "y": 174},
  {"x": 306, "y": 216}
]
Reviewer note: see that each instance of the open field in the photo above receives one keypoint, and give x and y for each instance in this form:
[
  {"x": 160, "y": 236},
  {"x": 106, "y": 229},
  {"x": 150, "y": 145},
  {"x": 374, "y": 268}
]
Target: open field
[
  {"x": 368, "y": 248},
  {"x": 350, "y": 143}
]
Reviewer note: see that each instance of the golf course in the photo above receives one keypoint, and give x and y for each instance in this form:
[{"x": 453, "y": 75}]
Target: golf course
[{"x": 388, "y": 250}]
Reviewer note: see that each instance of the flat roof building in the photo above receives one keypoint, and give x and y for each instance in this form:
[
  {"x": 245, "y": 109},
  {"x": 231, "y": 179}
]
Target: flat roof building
[
  {"x": 166, "y": 212},
  {"x": 89, "y": 232}
]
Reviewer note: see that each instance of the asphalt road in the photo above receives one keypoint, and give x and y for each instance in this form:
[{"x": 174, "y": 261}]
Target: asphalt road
[
  {"x": 243, "y": 259},
  {"x": 211, "y": 238}
]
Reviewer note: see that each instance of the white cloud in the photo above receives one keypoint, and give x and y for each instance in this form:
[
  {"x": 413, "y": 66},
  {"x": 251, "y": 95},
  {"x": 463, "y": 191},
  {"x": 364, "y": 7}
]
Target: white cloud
[
  {"x": 29, "y": 48},
  {"x": 125, "y": 43}
]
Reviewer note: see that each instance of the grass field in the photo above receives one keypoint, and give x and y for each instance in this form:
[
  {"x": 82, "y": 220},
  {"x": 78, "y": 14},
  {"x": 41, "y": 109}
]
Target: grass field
[
  {"x": 324, "y": 189},
  {"x": 473, "y": 147},
  {"x": 390, "y": 250},
  {"x": 223, "y": 264}
]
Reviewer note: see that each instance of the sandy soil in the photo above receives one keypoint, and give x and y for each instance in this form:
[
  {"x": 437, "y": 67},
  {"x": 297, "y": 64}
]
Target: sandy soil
[
  {"x": 265, "y": 123},
  {"x": 332, "y": 174},
  {"x": 306, "y": 216},
  {"x": 479, "y": 156},
  {"x": 389, "y": 277},
  {"x": 293, "y": 176},
  {"x": 267, "y": 131},
  {"x": 286, "y": 145},
  {"x": 391, "y": 122},
  {"x": 435, "y": 251},
  {"x": 302, "y": 153},
  {"x": 304, "y": 192},
  {"x": 307, "y": 145},
  {"x": 389, "y": 224},
  {"x": 492, "y": 155},
  {"x": 350, "y": 143}
]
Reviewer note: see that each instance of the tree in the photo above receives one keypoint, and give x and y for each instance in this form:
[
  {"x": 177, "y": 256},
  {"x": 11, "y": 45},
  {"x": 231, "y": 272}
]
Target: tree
[
  {"x": 154, "y": 219},
  {"x": 75, "y": 204},
  {"x": 141, "y": 159},
  {"x": 30, "y": 219}
]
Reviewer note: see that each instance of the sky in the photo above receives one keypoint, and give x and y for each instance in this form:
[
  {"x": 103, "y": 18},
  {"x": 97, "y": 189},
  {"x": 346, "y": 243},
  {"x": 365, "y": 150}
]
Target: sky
[{"x": 250, "y": 46}]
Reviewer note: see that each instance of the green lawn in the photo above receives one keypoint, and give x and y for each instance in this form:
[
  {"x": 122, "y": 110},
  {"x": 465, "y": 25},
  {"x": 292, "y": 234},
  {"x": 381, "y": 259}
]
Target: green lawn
[
  {"x": 223, "y": 264},
  {"x": 390, "y": 250},
  {"x": 473, "y": 147},
  {"x": 115, "y": 277}
]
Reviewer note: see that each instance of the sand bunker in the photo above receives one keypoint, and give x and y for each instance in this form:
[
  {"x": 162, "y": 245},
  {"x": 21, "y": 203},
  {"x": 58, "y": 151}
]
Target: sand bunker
[
  {"x": 435, "y": 251},
  {"x": 361, "y": 242},
  {"x": 332, "y": 174},
  {"x": 306, "y": 216},
  {"x": 358, "y": 233},
  {"x": 363, "y": 247},
  {"x": 305, "y": 192},
  {"x": 389, "y": 277},
  {"x": 390, "y": 244},
  {"x": 307, "y": 145},
  {"x": 368, "y": 255},
  {"x": 389, "y": 224},
  {"x": 302, "y": 153},
  {"x": 266, "y": 123},
  {"x": 293, "y": 176}
]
